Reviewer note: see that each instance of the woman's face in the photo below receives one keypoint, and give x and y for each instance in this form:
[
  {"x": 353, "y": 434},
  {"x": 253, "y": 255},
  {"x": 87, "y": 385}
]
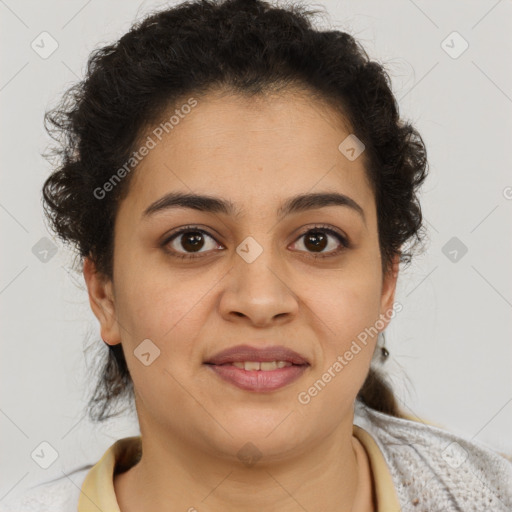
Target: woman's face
[{"x": 254, "y": 279}]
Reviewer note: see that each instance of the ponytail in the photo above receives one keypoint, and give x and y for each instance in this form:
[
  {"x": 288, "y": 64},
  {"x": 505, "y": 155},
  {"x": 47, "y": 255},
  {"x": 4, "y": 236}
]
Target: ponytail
[{"x": 377, "y": 394}]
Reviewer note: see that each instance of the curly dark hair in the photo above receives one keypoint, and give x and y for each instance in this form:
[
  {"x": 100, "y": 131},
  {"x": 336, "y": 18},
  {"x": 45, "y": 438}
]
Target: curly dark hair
[{"x": 246, "y": 47}]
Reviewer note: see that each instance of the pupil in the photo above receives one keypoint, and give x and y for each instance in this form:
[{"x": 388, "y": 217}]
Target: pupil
[
  {"x": 318, "y": 239},
  {"x": 194, "y": 239}
]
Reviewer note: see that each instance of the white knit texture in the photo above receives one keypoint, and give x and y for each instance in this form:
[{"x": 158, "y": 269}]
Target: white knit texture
[{"x": 436, "y": 471}]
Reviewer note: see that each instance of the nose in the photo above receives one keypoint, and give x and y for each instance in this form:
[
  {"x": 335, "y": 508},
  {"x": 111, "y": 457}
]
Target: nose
[{"x": 258, "y": 292}]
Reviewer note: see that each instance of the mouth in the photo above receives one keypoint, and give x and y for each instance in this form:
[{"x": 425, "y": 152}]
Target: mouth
[{"x": 258, "y": 369}]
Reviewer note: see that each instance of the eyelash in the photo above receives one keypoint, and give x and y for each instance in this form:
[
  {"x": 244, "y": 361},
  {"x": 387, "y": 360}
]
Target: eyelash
[{"x": 325, "y": 229}]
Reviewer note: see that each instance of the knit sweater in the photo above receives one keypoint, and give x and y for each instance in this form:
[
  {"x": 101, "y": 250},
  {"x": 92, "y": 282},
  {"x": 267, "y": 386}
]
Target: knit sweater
[{"x": 432, "y": 469}]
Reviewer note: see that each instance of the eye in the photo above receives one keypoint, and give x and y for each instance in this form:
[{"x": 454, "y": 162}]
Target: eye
[
  {"x": 189, "y": 238},
  {"x": 192, "y": 240},
  {"x": 317, "y": 239}
]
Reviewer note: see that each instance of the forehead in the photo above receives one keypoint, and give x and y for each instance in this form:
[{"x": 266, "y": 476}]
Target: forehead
[{"x": 249, "y": 149}]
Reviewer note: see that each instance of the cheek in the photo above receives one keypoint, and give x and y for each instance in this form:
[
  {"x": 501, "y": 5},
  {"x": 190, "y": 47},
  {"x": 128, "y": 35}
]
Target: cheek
[
  {"x": 347, "y": 302},
  {"x": 346, "y": 350},
  {"x": 348, "y": 307},
  {"x": 154, "y": 303},
  {"x": 171, "y": 312}
]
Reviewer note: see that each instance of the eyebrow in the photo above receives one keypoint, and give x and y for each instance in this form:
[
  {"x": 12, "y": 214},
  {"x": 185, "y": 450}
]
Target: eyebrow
[{"x": 212, "y": 204}]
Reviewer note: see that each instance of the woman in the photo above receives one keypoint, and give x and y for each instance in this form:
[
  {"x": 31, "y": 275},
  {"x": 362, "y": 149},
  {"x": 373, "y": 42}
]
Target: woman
[{"x": 242, "y": 191}]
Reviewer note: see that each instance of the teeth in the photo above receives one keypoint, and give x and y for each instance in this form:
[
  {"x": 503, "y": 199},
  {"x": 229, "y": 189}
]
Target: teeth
[{"x": 264, "y": 366}]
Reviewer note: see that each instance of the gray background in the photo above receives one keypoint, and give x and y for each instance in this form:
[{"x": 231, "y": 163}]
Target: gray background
[{"x": 450, "y": 346}]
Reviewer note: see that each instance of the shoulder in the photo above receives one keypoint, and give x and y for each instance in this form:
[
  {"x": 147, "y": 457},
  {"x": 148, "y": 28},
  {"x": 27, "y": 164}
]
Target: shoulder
[
  {"x": 58, "y": 495},
  {"x": 434, "y": 469}
]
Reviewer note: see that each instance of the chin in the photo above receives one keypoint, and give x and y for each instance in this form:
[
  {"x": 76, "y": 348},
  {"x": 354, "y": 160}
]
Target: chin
[{"x": 272, "y": 437}]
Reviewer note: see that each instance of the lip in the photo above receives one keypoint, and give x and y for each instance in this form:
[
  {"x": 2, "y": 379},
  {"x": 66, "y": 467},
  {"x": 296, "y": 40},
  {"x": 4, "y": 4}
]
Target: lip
[
  {"x": 242, "y": 353},
  {"x": 258, "y": 380}
]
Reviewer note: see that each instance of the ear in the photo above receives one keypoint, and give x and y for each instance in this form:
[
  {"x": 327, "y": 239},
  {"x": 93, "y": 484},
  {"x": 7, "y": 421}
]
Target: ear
[
  {"x": 101, "y": 299},
  {"x": 389, "y": 281}
]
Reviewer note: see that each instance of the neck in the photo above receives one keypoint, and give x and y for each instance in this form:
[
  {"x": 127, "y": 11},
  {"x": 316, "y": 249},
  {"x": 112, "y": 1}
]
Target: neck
[{"x": 331, "y": 474}]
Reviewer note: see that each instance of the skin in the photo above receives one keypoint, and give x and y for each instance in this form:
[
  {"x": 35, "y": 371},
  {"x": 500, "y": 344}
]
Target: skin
[{"x": 256, "y": 153}]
